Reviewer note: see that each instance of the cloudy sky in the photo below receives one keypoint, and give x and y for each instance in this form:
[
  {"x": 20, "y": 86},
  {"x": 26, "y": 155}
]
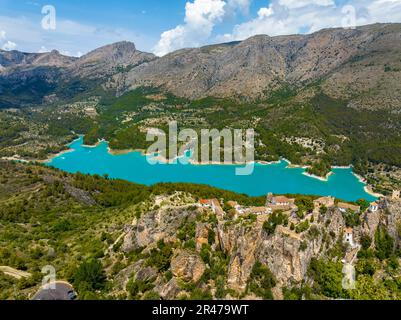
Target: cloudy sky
[{"x": 75, "y": 27}]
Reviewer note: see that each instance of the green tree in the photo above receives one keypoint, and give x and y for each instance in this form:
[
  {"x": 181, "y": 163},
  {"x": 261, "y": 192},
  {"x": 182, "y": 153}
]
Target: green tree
[
  {"x": 89, "y": 276},
  {"x": 363, "y": 204},
  {"x": 384, "y": 243},
  {"x": 352, "y": 219},
  {"x": 323, "y": 210},
  {"x": 366, "y": 241},
  {"x": 275, "y": 219},
  {"x": 261, "y": 281},
  {"x": 327, "y": 276},
  {"x": 160, "y": 257}
]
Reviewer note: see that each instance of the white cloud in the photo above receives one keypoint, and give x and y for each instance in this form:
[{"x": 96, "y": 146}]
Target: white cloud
[
  {"x": 265, "y": 12},
  {"x": 241, "y": 5},
  {"x": 200, "y": 19},
  {"x": 65, "y": 53},
  {"x": 69, "y": 36},
  {"x": 9, "y": 45},
  {"x": 43, "y": 49},
  {"x": 305, "y": 16},
  {"x": 201, "y": 16},
  {"x": 294, "y": 4},
  {"x": 6, "y": 44}
]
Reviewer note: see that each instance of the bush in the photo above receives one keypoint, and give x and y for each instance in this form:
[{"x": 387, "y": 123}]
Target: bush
[
  {"x": 139, "y": 288},
  {"x": 327, "y": 276},
  {"x": 275, "y": 219},
  {"x": 384, "y": 243},
  {"x": 303, "y": 246},
  {"x": 302, "y": 227},
  {"x": 366, "y": 241},
  {"x": 199, "y": 294},
  {"x": 261, "y": 281},
  {"x": 89, "y": 276},
  {"x": 352, "y": 219},
  {"x": 160, "y": 257}
]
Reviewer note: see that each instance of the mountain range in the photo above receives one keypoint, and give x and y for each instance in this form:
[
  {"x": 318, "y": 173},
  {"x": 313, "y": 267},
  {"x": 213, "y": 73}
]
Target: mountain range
[{"x": 361, "y": 66}]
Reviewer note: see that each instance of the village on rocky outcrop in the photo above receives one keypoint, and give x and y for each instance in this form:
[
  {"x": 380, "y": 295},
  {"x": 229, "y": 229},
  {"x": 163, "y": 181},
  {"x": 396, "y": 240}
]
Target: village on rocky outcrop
[{"x": 241, "y": 233}]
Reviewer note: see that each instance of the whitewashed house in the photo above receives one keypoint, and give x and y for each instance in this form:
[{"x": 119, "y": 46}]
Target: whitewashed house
[
  {"x": 374, "y": 207},
  {"x": 349, "y": 236}
]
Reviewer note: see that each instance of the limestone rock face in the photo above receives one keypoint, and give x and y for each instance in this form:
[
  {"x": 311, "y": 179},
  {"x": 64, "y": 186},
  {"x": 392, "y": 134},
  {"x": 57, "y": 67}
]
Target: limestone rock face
[
  {"x": 394, "y": 219},
  {"x": 262, "y": 63},
  {"x": 187, "y": 266},
  {"x": 110, "y": 59},
  {"x": 202, "y": 235},
  {"x": 281, "y": 252},
  {"x": 285, "y": 252},
  {"x": 170, "y": 290},
  {"x": 156, "y": 225},
  {"x": 372, "y": 221},
  {"x": 351, "y": 62}
]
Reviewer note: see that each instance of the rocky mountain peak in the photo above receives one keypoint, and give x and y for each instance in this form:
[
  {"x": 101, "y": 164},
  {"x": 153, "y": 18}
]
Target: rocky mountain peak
[
  {"x": 118, "y": 49},
  {"x": 106, "y": 59}
]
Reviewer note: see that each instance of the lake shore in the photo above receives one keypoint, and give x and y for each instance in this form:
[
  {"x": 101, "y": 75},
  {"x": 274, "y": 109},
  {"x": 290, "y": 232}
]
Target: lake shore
[
  {"x": 161, "y": 159},
  {"x": 324, "y": 179},
  {"x": 369, "y": 190}
]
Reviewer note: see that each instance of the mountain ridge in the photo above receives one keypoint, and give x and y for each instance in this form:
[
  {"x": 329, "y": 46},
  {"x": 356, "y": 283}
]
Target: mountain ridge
[{"x": 250, "y": 69}]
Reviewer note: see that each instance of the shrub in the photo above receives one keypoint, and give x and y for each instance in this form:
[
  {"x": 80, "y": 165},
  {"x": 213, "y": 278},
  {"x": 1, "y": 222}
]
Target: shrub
[
  {"x": 160, "y": 257},
  {"x": 327, "y": 276},
  {"x": 275, "y": 219},
  {"x": 261, "y": 281},
  {"x": 384, "y": 243},
  {"x": 302, "y": 227},
  {"x": 89, "y": 276}
]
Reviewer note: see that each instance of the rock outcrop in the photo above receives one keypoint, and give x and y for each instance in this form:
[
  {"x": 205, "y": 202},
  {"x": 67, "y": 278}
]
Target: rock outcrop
[
  {"x": 286, "y": 253},
  {"x": 187, "y": 266},
  {"x": 352, "y": 63}
]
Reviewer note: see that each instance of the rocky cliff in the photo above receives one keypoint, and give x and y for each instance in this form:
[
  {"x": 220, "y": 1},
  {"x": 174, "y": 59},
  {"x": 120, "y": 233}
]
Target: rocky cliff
[
  {"x": 241, "y": 243},
  {"x": 350, "y": 64}
]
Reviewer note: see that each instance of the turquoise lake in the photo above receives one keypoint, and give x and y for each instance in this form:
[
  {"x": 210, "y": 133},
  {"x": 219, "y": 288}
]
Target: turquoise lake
[{"x": 276, "y": 178}]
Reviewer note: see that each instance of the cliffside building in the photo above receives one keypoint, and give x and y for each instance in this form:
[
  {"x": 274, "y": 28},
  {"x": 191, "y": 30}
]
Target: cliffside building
[
  {"x": 344, "y": 207},
  {"x": 374, "y": 206},
  {"x": 328, "y": 202},
  {"x": 349, "y": 236}
]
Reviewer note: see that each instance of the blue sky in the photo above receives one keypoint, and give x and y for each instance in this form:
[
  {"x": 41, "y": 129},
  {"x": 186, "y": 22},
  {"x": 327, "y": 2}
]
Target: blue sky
[{"x": 161, "y": 26}]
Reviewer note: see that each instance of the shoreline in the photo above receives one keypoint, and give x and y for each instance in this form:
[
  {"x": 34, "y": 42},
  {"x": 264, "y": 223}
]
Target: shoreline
[
  {"x": 93, "y": 146},
  {"x": 367, "y": 188},
  {"x": 360, "y": 178},
  {"x": 49, "y": 159},
  {"x": 323, "y": 179}
]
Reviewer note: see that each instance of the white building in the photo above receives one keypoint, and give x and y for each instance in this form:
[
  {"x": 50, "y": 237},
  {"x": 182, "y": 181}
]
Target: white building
[
  {"x": 349, "y": 236},
  {"x": 374, "y": 206}
]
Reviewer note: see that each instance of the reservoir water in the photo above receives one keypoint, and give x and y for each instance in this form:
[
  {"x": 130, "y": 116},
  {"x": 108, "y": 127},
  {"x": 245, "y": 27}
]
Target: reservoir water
[{"x": 276, "y": 178}]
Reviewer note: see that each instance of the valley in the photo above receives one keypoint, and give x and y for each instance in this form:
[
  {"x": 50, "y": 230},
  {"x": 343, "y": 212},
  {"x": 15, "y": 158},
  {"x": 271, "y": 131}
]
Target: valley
[{"x": 328, "y": 102}]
